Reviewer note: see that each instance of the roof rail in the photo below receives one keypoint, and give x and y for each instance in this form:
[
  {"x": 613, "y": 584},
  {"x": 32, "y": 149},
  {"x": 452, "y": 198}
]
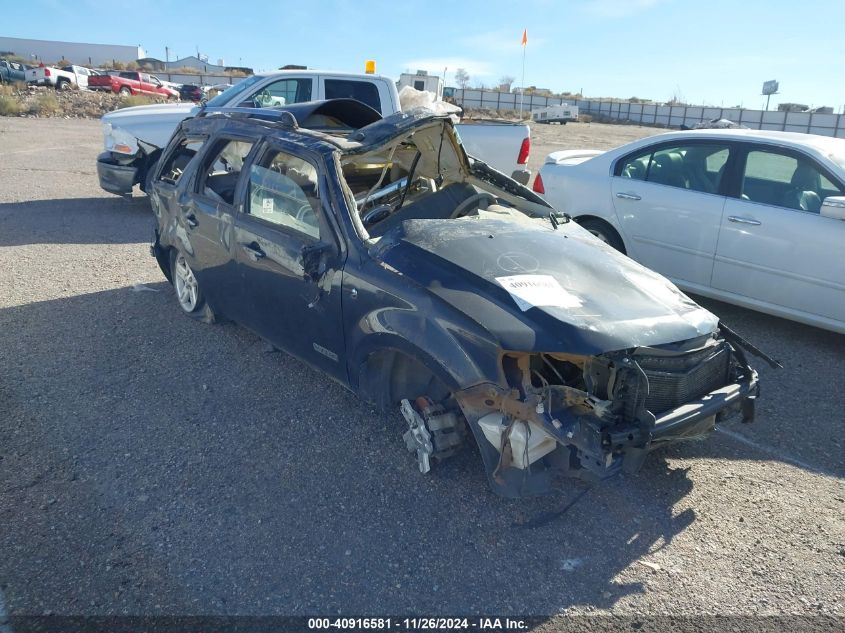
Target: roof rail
[{"x": 280, "y": 116}]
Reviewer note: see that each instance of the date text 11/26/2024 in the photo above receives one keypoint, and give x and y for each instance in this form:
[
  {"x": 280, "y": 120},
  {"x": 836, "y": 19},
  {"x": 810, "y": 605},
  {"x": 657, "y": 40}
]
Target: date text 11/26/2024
[{"x": 418, "y": 624}]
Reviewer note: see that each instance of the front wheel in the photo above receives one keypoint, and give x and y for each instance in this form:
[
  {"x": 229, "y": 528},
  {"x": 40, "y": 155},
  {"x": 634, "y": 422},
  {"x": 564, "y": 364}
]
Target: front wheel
[
  {"x": 188, "y": 292},
  {"x": 604, "y": 232}
]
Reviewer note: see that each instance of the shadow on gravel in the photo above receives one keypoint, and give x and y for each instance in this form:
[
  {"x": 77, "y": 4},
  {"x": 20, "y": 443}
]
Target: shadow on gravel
[
  {"x": 112, "y": 220},
  {"x": 800, "y": 410},
  {"x": 152, "y": 464}
]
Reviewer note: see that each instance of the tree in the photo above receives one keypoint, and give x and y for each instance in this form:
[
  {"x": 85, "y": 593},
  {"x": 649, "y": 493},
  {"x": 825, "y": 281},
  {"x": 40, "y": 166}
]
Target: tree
[
  {"x": 505, "y": 83},
  {"x": 462, "y": 77}
]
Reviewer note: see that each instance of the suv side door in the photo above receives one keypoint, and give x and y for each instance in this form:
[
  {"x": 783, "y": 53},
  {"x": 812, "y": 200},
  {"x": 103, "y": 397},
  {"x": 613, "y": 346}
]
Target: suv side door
[
  {"x": 289, "y": 257},
  {"x": 774, "y": 247}
]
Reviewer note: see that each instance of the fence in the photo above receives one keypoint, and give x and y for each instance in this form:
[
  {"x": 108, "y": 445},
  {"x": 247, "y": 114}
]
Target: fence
[
  {"x": 668, "y": 116},
  {"x": 495, "y": 100},
  {"x": 676, "y": 116}
]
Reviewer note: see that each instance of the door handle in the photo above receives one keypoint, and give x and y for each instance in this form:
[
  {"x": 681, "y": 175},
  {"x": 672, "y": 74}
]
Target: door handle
[
  {"x": 254, "y": 251},
  {"x": 739, "y": 220},
  {"x": 628, "y": 196},
  {"x": 191, "y": 221}
]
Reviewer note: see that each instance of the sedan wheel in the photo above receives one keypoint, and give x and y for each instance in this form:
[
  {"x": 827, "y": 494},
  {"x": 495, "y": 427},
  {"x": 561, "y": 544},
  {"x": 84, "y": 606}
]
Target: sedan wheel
[
  {"x": 604, "y": 232},
  {"x": 185, "y": 283}
]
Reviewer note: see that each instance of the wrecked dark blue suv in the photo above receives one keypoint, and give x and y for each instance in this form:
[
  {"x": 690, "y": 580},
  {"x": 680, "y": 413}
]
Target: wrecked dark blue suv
[{"x": 377, "y": 251}]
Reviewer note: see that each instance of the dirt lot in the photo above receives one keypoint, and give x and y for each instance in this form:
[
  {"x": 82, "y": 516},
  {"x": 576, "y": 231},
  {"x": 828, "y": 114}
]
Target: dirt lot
[{"x": 150, "y": 464}]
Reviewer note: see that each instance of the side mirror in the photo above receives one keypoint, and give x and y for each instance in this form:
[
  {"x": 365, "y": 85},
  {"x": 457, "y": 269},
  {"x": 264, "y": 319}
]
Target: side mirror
[
  {"x": 833, "y": 207},
  {"x": 314, "y": 260}
]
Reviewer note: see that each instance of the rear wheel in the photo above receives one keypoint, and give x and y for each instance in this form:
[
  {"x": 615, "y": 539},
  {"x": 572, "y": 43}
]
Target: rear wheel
[
  {"x": 603, "y": 231},
  {"x": 125, "y": 91},
  {"x": 62, "y": 84}
]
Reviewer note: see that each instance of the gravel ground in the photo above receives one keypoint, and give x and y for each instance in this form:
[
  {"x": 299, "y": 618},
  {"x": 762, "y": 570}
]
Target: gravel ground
[{"x": 150, "y": 464}]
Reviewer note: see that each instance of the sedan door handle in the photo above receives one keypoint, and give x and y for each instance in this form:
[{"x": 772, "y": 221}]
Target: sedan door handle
[
  {"x": 254, "y": 251},
  {"x": 191, "y": 221},
  {"x": 628, "y": 196},
  {"x": 739, "y": 220}
]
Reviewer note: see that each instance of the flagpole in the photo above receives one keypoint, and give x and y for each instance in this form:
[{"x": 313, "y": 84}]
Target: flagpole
[{"x": 522, "y": 90}]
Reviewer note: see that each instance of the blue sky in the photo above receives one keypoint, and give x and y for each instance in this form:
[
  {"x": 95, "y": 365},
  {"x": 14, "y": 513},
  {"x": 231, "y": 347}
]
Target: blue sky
[{"x": 716, "y": 52}]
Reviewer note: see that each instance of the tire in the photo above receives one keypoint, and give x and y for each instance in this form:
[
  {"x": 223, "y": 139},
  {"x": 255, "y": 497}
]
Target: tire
[
  {"x": 604, "y": 232},
  {"x": 188, "y": 293},
  {"x": 148, "y": 176},
  {"x": 62, "y": 84},
  {"x": 124, "y": 91}
]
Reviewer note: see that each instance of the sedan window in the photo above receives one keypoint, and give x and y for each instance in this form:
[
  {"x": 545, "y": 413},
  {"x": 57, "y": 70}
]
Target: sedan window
[
  {"x": 697, "y": 166},
  {"x": 785, "y": 180},
  {"x": 283, "y": 192}
]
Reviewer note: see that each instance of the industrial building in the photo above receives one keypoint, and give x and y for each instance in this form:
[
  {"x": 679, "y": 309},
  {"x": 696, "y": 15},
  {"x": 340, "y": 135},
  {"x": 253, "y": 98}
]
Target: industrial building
[{"x": 77, "y": 52}]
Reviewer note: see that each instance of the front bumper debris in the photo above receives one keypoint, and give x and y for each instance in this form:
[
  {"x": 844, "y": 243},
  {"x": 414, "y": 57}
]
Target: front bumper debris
[
  {"x": 531, "y": 437},
  {"x": 115, "y": 177}
]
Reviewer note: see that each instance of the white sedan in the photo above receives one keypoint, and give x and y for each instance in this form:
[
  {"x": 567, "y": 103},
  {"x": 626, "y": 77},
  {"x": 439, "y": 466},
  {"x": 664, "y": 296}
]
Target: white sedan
[{"x": 754, "y": 218}]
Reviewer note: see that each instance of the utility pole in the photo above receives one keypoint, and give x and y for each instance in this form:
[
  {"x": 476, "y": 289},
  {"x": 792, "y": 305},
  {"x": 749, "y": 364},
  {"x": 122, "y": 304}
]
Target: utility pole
[{"x": 167, "y": 54}]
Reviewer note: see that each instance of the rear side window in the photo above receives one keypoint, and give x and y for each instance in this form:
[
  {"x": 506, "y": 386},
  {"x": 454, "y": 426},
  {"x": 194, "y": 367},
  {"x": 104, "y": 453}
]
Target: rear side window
[
  {"x": 176, "y": 163},
  {"x": 362, "y": 91},
  {"x": 697, "y": 167},
  {"x": 283, "y": 192}
]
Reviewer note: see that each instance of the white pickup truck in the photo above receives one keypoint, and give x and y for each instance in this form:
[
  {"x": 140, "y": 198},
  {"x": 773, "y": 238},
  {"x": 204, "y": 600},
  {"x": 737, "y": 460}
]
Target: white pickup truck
[
  {"x": 59, "y": 78},
  {"x": 134, "y": 137}
]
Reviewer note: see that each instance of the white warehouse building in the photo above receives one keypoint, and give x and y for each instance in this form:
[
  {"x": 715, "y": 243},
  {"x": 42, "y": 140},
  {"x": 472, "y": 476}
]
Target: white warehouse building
[{"x": 76, "y": 52}]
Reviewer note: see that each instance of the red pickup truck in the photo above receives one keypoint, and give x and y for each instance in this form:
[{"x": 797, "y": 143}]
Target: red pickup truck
[{"x": 131, "y": 83}]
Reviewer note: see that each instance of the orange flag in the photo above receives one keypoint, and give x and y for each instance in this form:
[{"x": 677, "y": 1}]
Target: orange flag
[{"x": 524, "y": 37}]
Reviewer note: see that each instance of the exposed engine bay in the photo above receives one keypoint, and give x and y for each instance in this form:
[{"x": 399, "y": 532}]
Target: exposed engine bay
[{"x": 592, "y": 417}]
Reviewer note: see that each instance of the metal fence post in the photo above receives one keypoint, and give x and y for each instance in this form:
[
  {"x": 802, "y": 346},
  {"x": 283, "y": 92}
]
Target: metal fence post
[{"x": 810, "y": 123}]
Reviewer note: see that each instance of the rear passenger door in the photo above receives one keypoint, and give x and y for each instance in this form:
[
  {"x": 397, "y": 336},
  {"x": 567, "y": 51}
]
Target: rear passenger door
[
  {"x": 283, "y": 225},
  {"x": 669, "y": 202}
]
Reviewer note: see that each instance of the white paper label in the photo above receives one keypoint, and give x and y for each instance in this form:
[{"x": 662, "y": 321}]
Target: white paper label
[
  {"x": 529, "y": 291},
  {"x": 267, "y": 205}
]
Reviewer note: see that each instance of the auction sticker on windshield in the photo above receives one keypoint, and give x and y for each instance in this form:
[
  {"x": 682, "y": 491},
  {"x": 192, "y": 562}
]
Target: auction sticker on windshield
[{"x": 529, "y": 291}]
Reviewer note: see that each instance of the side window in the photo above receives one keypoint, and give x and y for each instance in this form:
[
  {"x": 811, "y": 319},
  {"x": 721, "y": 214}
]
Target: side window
[
  {"x": 282, "y": 92},
  {"x": 175, "y": 164},
  {"x": 697, "y": 167},
  {"x": 363, "y": 91},
  {"x": 283, "y": 192},
  {"x": 785, "y": 180},
  {"x": 634, "y": 167},
  {"x": 221, "y": 168}
]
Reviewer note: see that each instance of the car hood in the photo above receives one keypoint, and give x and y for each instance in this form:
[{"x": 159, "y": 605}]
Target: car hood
[
  {"x": 592, "y": 299},
  {"x": 153, "y": 124}
]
